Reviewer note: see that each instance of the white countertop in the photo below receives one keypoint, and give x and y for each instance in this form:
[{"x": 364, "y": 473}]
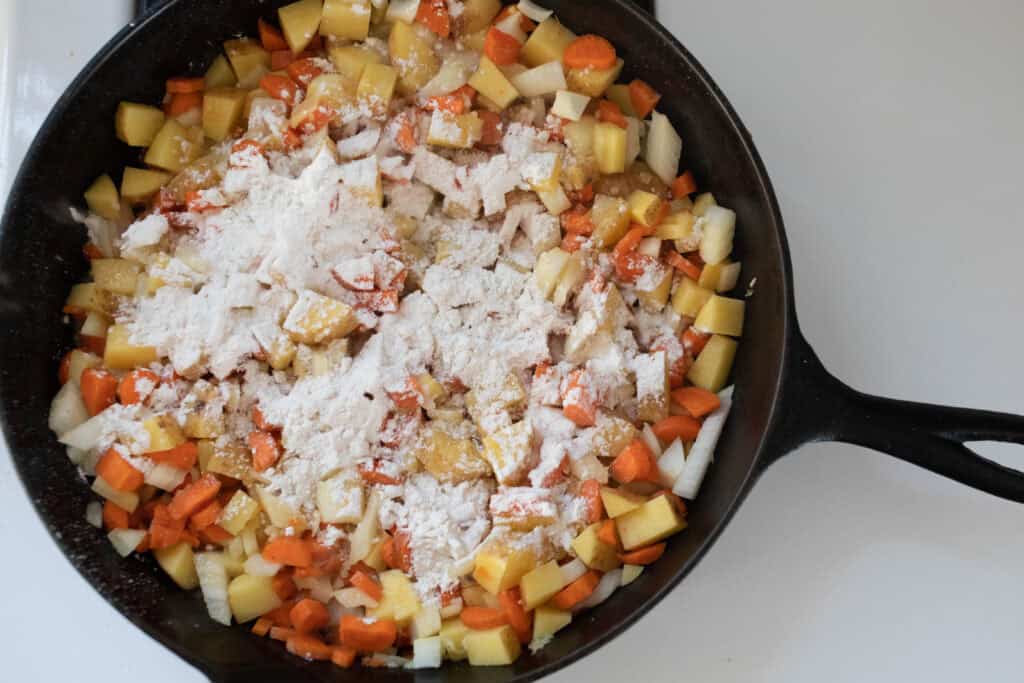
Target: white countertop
[{"x": 892, "y": 133}]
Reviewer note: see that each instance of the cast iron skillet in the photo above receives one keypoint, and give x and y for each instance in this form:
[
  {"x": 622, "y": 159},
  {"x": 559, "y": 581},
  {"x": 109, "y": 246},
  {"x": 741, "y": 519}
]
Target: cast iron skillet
[{"x": 784, "y": 397}]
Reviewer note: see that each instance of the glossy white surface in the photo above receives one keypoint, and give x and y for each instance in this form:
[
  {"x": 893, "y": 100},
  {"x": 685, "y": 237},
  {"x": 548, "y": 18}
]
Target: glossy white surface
[{"x": 892, "y": 134}]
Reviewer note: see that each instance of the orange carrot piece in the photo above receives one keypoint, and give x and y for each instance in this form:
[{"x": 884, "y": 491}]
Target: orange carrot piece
[
  {"x": 515, "y": 614},
  {"x": 115, "y": 517},
  {"x": 491, "y": 134},
  {"x": 99, "y": 389},
  {"x": 434, "y": 15},
  {"x": 500, "y": 47},
  {"x": 183, "y": 102},
  {"x": 573, "y": 242},
  {"x": 643, "y": 97},
  {"x": 128, "y": 392},
  {"x": 309, "y": 615},
  {"x": 355, "y": 633},
  {"x": 284, "y": 586},
  {"x": 261, "y": 421},
  {"x": 577, "y": 591},
  {"x": 684, "y": 265},
  {"x": 646, "y": 555},
  {"x": 634, "y": 463},
  {"x": 280, "y": 88},
  {"x": 280, "y": 59},
  {"x": 396, "y": 552},
  {"x": 303, "y": 71},
  {"x": 91, "y": 251},
  {"x": 483, "y": 618},
  {"x": 265, "y": 451},
  {"x": 186, "y": 85},
  {"x": 343, "y": 656},
  {"x": 590, "y": 490},
  {"x": 629, "y": 265},
  {"x": 606, "y": 533},
  {"x": 684, "y": 185},
  {"x": 289, "y": 550},
  {"x": 194, "y": 496},
  {"x": 371, "y": 475},
  {"x": 205, "y": 516},
  {"x": 406, "y": 135},
  {"x": 214, "y": 535},
  {"x": 675, "y": 427},
  {"x": 609, "y": 112},
  {"x": 281, "y": 633},
  {"x": 118, "y": 472},
  {"x": 578, "y": 400},
  {"x": 164, "y": 530},
  {"x": 262, "y": 627},
  {"x": 182, "y": 456},
  {"x": 366, "y": 583},
  {"x": 590, "y": 52},
  {"x": 271, "y": 37},
  {"x": 695, "y": 341},
  {"x": 577, "y": 221},
  {"x": 698, "y": 402},
  {"x": 92, "y": 344}
]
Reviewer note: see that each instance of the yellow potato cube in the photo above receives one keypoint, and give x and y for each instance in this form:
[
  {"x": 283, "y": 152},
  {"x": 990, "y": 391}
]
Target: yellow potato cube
[
  {"x": 721, "y": 315},
  {"x": 547, "y": 43},
  {"x": 340, "y": 499},
  {"x": 478, "y": 14},
  {"x": 611, "y": 435},
  {"x": 121, "y": 354},
  {"x": 449, "y": 458},
  {"x": 426, "y": 623},
  {"x": 433, "y": 392},
  {"x": 611, "y": 220},
  {"x": 619, "y": 94},
  {"x": 547, "y": 621},
  {"x": 88, "y": 297},
  {"x": 500, "y": 569},
  {"x": 676, "y": 226},
  {"x": 400, "y": 601},
  {"x": 178, "y": 561},
  {"x": 137, "y": 124},
  {"x": 652, "y": 386},
  {"x": 655, "y": 299},
  {"x": 351, "y": 60},
  {"x": 204, "y": 425},
  {"x": 220, "y": 74},
  {"x": 453, "y": 634},
  {"x": 541, "y": 584},
  {"x": 300, "y": 22},
  {"x": 102, "y": 198},
  {"x": 412, "y": 53},
  {"x": 115, "y": 275},
  {"x": 594, "y": 552},
  {"x": 610, "y": 148},
  {"x": 593, "y": 82},
  {"x": 454, "y": 131},
  {"x": 702, "y": 203},
  {"x": 237, "y": 514},
  {"x": 175, "y": 146},
  {"x": 509, "y": 451},
  {"x": 139, "y": 184},
  {"x": 222, "y": 112},
  {"x": 249, "y": 61},
  {"x": 348, "y": 19},
  {"x": 548, "y": 270},
  {"x": 644, "y": 207},
  {"x": 618, "y": 502},
  {"x": 251, "y": 597},
  {"x": 280, "y": 513},
  {"x": 164, "y": 433},
  {"x": 377, "y": 87},
  {"x": 315, "y": 319},
  {"x": 655, "y": 520},
  {"x": 494, "y": 647},
  {"x": 720, "y": 277},
  {"x": 689, "y": 298},
  {"x": 711, "y": 369},
  {"x": 490, "y": 82}
]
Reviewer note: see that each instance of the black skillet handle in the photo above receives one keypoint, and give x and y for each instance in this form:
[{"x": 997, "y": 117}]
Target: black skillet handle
[{"x": 815, "y": 406}]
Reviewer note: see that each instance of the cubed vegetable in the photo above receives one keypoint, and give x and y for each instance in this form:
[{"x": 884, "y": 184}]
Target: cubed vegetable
[
  {"x": 499, "y": 569},
  {"x": 593, "y": 82},
  {"x": 121, "y": 354},
  {"x": 300, "y": 22},
  {"x": 220, "y": 74},
  {"x": 494, "y": 647},
  {"x": 721, "y": 315},
  {"x": 540, "y": 585},
  {"x": 547, "y": 43},
  {"x": 138, "y": 124},
  {"x": 251, "y": 596},
  {"x": 610, "y": 148},
  {"x": 711, "y": 369},
  {"x": 175, "y": 146},
  {"x": 664, "y": 148},
  {"x": 102, "y": 198},
  {"x": 178, "y": 562},
  {"x": 412, "y": 53},
  {"x": 594, "y": 552},
  {"x": 249, "y": 61},
  {"x": 222, "y": 112},
  {"x": 689, "y": 298},
  {"x": 347, "y": 19},
  {"x": 490, "y": 82},
  {"x": 655, "y": 520}
]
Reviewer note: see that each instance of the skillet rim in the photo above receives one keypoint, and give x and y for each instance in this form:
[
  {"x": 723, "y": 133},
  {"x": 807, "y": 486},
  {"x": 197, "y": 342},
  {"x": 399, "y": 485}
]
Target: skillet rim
[{"x": 757, "y": 464}]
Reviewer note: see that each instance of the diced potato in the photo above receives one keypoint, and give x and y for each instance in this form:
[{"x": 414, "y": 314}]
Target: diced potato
[
  {"x": 220, "y": 74},
  {"x": 490, "y": 82},
  {"x": 222, "y": 112},
  {"x": 251, "y": 597},
  {"x": 493, "y": 647},
  {"x": 137, "y": 124},
  {"x": 676, "y": 226},
  {"x": 611, "y": 220},
  {"x": 569, "y": 105},
  {"x": 454, "y": 131},
  {"x": 689, "y": 298},
  {"x": 548, "y": 270},
  {"x": 115, "y": 275},
  {"x": 474, "y": 41},
  {"x": 237, "y": 514},
  {"x": 652, "y": 386},
  {"x": 618, "y": 502},
  {"x": 174, "y": 146},
  {"x": 664, "y": 148},
  {"x": 478, "y": 14},
  {"x": 139, "y": 184},
  {"x": 702, "y": 203},
  {"x": 541, "y": 584},
  {"x": 348, "y": 19},
  {"x": 655, "y": 298},
  {"x": 103, "y": 199},
  {"x": 453, "y": 633},
  {"x": 655, "y": 520},
  {"x": 300, "y": 22},
  {"x": 123, "y": 499},
  {"x": 611, "y": 435},
  {"x": 340, "y": 498},
  {"x": 179, "y": 563},
  {"x": 498, "y": 569},
  {"x": 402, "y": 11},
  {"x": 87, "y": 297},
  {"x": 474, "y": 595},
  {"x": 433, "y": 392},
  {"x": 377, "y": 87},
  {"x": 619, "y": 94},
  {"x": 204, "y": 425},
  {"x": 593, "y": 82},
  {"x": 721, "y": 315},
  {"x": 556, "y": 201},
  {"x": 721, "y": 277},
  {"x": 249, "y": 61},
  {"x": 351, "y": 60},
  {"x": 634, "y": 133},
  {"x": 95, "y": 326},
  {"x": 449, "y": 458},
  {"x": 546, "y": 79},
  {"x": 315, "y": 319},
  {"x": 711, "y": 369},
  {"x": 547, "y": 621},
  {"x": 426, "y": 623},
  {"x": 412, "y": 53},
  {"x": 121, "y": 354},
  {"x": 280, "y": 513},
  {"x": 164, "y": 433},
  {"x": 400, "y": 601},
  {"x": 594, "y": 552},
  {"x": 610, "y": 148},
  {"x": 719, "y": 230},
  {"x": 547, "y": 43},
  {"x": 644, "y": 207},
  {"x": 509, "y": 451}
]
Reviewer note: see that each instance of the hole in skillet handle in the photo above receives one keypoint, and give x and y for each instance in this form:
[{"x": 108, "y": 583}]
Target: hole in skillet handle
[{"x": 815, "y": 406}]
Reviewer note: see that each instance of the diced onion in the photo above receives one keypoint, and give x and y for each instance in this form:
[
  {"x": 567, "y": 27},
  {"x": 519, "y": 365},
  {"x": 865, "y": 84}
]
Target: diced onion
[
  {"x": 319, "y": 587},
  {"x": 403, "y": 10},
  {"x": 630, "y": 573},
  {"x": 165, "y": 477},
  {"x": 250, "y": 544},
  {"x": 533, "y": 10},
  {"x": 545, "y": 79},
  {"x": 86, "y": 435},
  {"x": 213, "y": 582},
  {"x": 510, "y": 26},
  {"x": 570, "y": 105},
  {"x": 125, "y": 541},
  {"x": 671, "y": 463},
  {"x": 76, "y": 455},
  {"x": 703, "y": 449},
  {"x": 257, "y": 566},
  {"x": 426, "y": 653},
  {"x": 94, "y": 514},
  {"x": 664, "y": 148},
  {"x": 719, "y": 230},
  {"x": 605, "y": 587},
  {"x": 123, "y": 499},
  {"x": 572, "y": 571},
  {"x": 454, "y": 74},
  {"x": 651, "y": 440},
  {"x": 353, "y": 597},
  {"x": 67, "y": 410},
  {"x": 362, "y": 539},
  {"x": 649, "y": 246}
]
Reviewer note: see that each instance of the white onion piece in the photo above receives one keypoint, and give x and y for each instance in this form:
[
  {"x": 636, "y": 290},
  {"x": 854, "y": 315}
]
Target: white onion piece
[
  {"x": 703, "y": 449},
  {"x": 545, "y": 79},
  {"x": 213, "y": 582},
  {"x": 671, "y": 464},
  {"x": 76, "y": 455},
  {"x": 605, "y": 587},
  {"x": 634, "y": 127},
  {"x": 649, "y": 246},
  {"x": 123, "y": 499},
  {"x": 631, "y": 572},
  {"x": 250, "y": 544},
  {"x": 533, "y": 10},
  {"x": 570, "y": 105},
  {"x": 86, "y": 435},
  {"x": 572, "y": 571},
  {"x": 454, "y": 74},
  {"x": 353, "y": 597},
  {"x": 365, "y": 534},
  {"x": 403, "y": 10},
  {"x": 426, "y": 653},
  {"x": 94, "y": 514},
  {"x": 165, "y": 477},
  {"x": 664, "y": 148},
  {"x": 257, "y": 566},
  {"x": 651, "y": 440},
  {"x": 67, "y": 410},
  {"x": 319, "y": 587},
  {"x": 125, "y": 541},
  {"x": 510, "y": 26}
]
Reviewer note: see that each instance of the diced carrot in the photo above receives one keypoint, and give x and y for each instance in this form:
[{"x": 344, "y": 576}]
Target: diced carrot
[
  {"x": 609, "y": 112},
  {"x": 215, "y": 535},
  {"x": 406, "y": 135},
  {"x": 262, "y": 626},
  {"x": 92, "y": 344},
  {"x": 578, "y": 399},
  {"x": 271, "y": 37},
  {"x": 589, "y": 52},
  {"x": 607, "y": 534},
  {"x": 247, "y": 144},
  {"x": 643, "y": 97},
  {"x": 684, "y": 185},
  {"x": 260, "y": 420},
  {"x": 64, "y": 370},
  {"x": 694, "y": 341},
  {"x": 577, "y": 220},
  {"x": 572, "y": 242},
  {"x": 128, "y": 391},
  {"x": 515, "y": 613},
  {"x": 309, "y": 615},
  {"x": 483, "y": 618},
  {"x": 183, "y": 102},
  {"x": 409, "y": 399},
  {"x": 284, "y": 586},
  {"x": 99, "y": 389},
  {"x": 91, "y": 251},
  {"x": 280, "y": 59},
  {"x": 577, "y": 591},
  {"x": 280, "y": 88},
  {"x": 343, "y": 656},
  {"x": 500, "y": 47},
  {"x": 590, "y": 491},
  {"x": 164, "y": 530},
  {"x": 491, "y": 134},
  {"x": 194, "y": 496},
  {"x": 697, "y": 401},
  {"x": 371, "y": 475},
  {"x": 634, "y": 463},
  {"x": 646, "y": 555},
  {"x": 205, "y": 516},
  {"x": 180, "y": 85},
  {"x": 265, "y": 451},
  {"x": 397, "y": 553},
  {"x": 303, "y": 71},
  {"x": 434, "y": 15},
  {"x": 292, "y": 140},
  {"x": 118, "y": 472},
  {"x": 289, "y": 550},
  {"x": 683, "y": 265},
  {"x": 281, "y": 633},
  {"x": 378, "y": 636},
  {"x": 367, "y": 584},
  {"x": 629, "y": 265},
  {"x": 182, "y": 456},
  {"x": 115, "y": 517},
  {"x": 675, "y": 427},
  {"x": 454, "y": 103}
]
